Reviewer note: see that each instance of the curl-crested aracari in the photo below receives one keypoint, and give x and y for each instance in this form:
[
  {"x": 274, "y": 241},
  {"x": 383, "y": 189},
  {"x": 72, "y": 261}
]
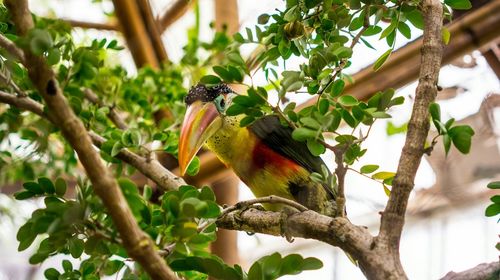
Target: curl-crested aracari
[{"x": 263, "y": 155}]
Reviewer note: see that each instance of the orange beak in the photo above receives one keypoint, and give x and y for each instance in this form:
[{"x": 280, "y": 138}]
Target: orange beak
[{"x": 201, "y": 121}]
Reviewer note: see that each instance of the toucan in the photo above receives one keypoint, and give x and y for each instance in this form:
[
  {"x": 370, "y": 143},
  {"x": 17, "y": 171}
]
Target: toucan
[{"x": 263, "y": 155}]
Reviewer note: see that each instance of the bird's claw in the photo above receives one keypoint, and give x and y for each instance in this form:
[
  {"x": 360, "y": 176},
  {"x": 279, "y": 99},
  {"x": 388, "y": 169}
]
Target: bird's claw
[
  {"x": 244, "y": 207},
  {"x": 285, "y": 213}
]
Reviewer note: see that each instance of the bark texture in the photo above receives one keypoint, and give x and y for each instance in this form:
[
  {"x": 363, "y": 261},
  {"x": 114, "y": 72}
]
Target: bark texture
[{"x": 482, "y": 271}]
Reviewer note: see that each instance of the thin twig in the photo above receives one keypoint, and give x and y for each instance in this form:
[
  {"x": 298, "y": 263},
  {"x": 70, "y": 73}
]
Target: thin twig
[
  {"x": 265, "y": 199},
  {"x": 167, "y": 250},
  {"x": 340, "y": 172},
  {"x": 8, "y": 81},
  {"x": 12, "y": 48},
  {"x": 113, "y": 115}
]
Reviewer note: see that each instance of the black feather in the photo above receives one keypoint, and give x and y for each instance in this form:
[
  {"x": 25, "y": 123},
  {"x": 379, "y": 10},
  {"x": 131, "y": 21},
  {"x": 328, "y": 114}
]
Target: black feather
[
  {"x": 206, "y": 94},
  {"x": 279, "y": 138}
]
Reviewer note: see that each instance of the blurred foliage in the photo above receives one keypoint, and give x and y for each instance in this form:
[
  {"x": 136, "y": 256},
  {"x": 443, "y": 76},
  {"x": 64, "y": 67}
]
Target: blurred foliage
[{"x": 322, "y": 34}]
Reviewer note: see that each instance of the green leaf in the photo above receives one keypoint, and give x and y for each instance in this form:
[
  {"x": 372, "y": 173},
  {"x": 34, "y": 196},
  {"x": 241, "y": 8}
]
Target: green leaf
[
  {"x": 446, "y": 143},
  {"x": 60, "y": 187},
  {"x": 494, "y": 185},
  {"x": 347, "y": 117},
  {"x": 459, "y": 4},
  {"x": 323, "y": 106},
  {"x": 193, "y": 167},
  {"x": 382, "y": 59},
  {"x": 246, "y": 121},
  {"x": 22, "y": 195},
  {"x": 389, "y": 29},
  {"x": 147, "y": 192},
  {"x": 355, "y": 4},
  {"x": 235, "y": 110},
  {"x": 47, "y": 185},
  {"x": 135, "y": 137},
  {"x": 112, "y": 266},
  {"x": 53, "y": 56},
  {"x": 495, "y": 199},
  {"x": 25, "y": 236},
  {"x": 311, "y": 123},
  {"x": 372, "y": 30},
  {"x": 492, "y": 210},
  {"x": 206, "y": 193},
  {"x": 370, "y": 168},
  {"x": 51, "y": 274},
  {"x": 117, "y": 147},
  {"x": 37, "y": 258},
  {"x": 337, "y": 87},
  {"x": 210, "y": 265},
  {"x": 348, "y": 100},
  {"x": 40, "y": 41},
  {"x": 263, "y": 19},
  {"x": 415, "y": 17},
  {"x": 301, "y": 134},
  {"x": 238, "y": 38},
  {"x": 210, "y": 80},
  {"x": 461, "y": 137},
  {"x": 223, "y": 73},
  {"x": 33, "y": 187},
  {"x": 435, "y": 111},
  {"x": 387, "y": 191},
  {"x": 315, "y": 147},
  {"x": 67, "y": 266},
  {"x": 311, "y": 264},
  {"x": 76, "y": 247},
  {"x": 404, "y": 29},
  {"x": 294, "y": 86},
  {"x": 383, "y": 175},
  {"x": 381, "y": 115},
  {"x": 446, "y": 35}
]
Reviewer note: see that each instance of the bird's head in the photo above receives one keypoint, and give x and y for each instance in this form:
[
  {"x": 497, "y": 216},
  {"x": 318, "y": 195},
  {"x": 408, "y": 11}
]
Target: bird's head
[{"x": 206, "y": 107}]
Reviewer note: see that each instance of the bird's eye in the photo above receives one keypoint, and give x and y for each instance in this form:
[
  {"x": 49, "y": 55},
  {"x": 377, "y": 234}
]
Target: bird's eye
[{"x": 220, "y": 103}]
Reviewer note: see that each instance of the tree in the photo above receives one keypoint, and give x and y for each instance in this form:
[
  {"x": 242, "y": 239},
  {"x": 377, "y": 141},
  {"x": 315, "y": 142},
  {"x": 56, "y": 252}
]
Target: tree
[{"x": 96, "y": 113}]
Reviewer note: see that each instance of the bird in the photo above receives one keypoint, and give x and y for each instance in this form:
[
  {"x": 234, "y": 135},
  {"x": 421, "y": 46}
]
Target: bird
[{"x": 263, "y": 155}]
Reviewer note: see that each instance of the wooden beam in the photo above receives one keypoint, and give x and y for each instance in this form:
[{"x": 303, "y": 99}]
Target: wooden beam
[
  {"x": 92, "y": 25},
  {"x": 226, "y": 245},
  {"x": 226, "y": 16},
  {"x": 492, "y": 56},
  {"x": 153, "y": 30},
  {"x": 470, "y": 32},
  {"x": 226, "y": 189},
  {"x": 135, "y": 33},
  {"x": 174, "y": 12}
]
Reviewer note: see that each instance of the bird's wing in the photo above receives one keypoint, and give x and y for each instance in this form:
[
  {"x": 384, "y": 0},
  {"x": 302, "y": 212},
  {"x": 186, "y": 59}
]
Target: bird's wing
[{"x": 279, "y": 138}]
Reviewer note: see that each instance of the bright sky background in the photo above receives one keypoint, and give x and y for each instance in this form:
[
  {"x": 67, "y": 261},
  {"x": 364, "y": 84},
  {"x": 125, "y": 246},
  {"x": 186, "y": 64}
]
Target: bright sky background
[{"x": 453, "y": 239}]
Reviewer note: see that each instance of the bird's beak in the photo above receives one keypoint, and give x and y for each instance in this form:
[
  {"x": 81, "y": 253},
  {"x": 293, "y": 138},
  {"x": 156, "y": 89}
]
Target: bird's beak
[{"x": 201, "y": 121}]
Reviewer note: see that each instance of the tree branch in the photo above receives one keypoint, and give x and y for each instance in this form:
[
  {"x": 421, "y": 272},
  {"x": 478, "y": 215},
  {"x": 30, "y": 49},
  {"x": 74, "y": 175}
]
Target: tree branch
[
  {"x": 24, "y": 103},
  {"x": 308, "y": 224},
  {"x": 392, "y": 220},
  {"x": 265, "y": 199},
  {"x": 151, "y": 168},
  {"x": 482, "y": 271},
  {"x": 137, "y": 243},
  {"x": 12, "y": 48},
  {"x": 173, "y": 13}
]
